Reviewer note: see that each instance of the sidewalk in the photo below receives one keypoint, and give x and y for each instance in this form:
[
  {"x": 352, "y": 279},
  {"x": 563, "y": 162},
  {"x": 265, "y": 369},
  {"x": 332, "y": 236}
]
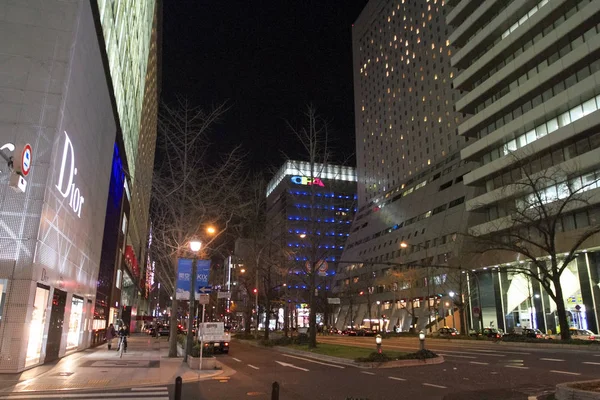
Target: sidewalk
[{"x": 146, "y": 363}]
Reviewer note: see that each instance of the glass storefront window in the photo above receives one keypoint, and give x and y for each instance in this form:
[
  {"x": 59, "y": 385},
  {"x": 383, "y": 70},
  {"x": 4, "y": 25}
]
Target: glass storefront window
[
  {"x": 36, "y": 326},
  {"x": 75, "y": 322}
]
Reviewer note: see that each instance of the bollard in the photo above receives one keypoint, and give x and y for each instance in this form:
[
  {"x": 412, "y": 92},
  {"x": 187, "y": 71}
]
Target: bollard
[
  {"x": 275, "y": 392},
  {"x": 178, "y": 383}
]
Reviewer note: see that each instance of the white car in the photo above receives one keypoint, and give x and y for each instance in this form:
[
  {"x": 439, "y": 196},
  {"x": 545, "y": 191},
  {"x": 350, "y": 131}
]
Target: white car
[{"x": 579, "y": 334}]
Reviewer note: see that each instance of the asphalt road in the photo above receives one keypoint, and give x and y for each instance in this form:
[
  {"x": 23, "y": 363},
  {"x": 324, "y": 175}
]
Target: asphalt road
[{"x": 472, "y": 370}]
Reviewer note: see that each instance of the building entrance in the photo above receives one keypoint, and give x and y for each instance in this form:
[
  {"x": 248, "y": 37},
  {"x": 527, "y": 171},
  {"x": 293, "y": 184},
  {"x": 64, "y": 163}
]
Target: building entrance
[{"x": 57, "y": 317}]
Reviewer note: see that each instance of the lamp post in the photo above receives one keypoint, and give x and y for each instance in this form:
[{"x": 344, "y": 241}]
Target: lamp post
[
  {"x": 422, "y": 340},
  {"x": 195, "y": 247},
  {"x": 451, "y": 294},
  {"x": 378, "y": 342}
]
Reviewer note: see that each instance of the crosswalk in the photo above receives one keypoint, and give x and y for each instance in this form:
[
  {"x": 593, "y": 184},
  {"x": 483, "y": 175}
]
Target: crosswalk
[{"x": 140, "y": 393}]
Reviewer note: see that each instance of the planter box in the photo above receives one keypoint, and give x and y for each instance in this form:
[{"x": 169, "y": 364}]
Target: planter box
[
  {"x": 208, "y": 363},
  {"x": 564, "y": 391}
]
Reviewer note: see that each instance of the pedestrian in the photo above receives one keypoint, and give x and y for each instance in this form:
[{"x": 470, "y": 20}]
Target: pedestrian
[
  {"x": 110, "y": 334},
  {"x": 123, "y": 333}
]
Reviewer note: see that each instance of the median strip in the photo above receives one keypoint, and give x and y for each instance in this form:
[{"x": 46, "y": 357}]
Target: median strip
[{"x": 313, "y": 361}]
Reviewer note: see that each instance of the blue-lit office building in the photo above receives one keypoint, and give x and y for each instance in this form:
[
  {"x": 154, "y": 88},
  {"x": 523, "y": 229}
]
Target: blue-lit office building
[{"x": 311, "y": 215}]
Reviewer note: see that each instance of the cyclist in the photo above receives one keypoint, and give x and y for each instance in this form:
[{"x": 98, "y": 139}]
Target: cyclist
[{"x": 123, "y": 333}]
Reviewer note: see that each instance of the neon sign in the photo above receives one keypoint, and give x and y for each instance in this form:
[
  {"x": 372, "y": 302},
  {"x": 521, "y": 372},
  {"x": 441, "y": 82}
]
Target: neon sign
[
  {"x": 66, "y": 187},
  {"x": 303, "y": 180}
]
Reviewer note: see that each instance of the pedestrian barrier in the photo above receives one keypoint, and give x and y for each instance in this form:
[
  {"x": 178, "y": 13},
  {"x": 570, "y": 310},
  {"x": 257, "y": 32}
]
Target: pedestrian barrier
[
  {"x": 178, "y": 383},
  {"x": 275, "y": 392}
]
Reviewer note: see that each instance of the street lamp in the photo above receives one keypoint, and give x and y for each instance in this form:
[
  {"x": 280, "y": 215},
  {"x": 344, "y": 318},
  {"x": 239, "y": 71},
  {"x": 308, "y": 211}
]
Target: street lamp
[
  {"x": 422, "y": 339},
  {"x": 195, "y": 246},
  {"x": 378, "y": 342}
]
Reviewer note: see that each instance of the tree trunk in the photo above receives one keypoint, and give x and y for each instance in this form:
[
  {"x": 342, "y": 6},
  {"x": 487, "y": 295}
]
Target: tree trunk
[
  {"x": 267, "y": 318},
  {"x": 286, "y": 317},
  {"x": 248, "y": 319},
  {"x": 173, "y": 329},
  {"x": 312, "y": 319},
  {"x": 561, "y": 311}
]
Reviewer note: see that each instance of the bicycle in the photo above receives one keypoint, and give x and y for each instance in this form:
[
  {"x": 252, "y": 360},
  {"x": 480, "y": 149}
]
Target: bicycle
[{"x": 121, "y": 347}]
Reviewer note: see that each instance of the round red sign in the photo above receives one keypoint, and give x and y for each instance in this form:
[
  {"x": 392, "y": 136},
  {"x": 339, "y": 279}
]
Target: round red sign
[{"x": 26, "y": 159}]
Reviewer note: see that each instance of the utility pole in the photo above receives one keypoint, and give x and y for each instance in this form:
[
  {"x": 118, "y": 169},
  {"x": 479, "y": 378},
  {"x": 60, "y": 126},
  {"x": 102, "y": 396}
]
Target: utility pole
[{"x": 192, "y": 314}]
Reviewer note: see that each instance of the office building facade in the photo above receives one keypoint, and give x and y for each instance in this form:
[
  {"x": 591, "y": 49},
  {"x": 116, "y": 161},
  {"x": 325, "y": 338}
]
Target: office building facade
[
  {"x": 529, "y": 77},
  {"x": 310, "y": 216},
  {"x": 410, "y": 190}
]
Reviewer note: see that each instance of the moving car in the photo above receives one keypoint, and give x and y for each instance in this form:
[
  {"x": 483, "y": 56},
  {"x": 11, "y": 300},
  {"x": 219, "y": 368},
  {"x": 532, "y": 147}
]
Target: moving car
[{"x": 446, "y": 332}]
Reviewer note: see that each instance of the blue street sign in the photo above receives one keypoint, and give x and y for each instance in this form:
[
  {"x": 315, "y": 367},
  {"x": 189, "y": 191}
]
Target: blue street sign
[
  {"x": 205, "y": 289},
  {"x": 184, "y": 272}
]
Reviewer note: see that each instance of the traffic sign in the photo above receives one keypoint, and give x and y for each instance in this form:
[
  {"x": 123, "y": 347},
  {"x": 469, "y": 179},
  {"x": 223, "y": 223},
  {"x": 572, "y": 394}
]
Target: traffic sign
[
  {"x": 205, "y": 289},
  {"x": 23, "y": 158},
  {"x": 321, "y": 267},
  {"x": 204, "y": 298}
]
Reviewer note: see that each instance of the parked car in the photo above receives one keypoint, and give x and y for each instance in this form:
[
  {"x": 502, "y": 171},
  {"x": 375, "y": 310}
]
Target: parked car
[
  {"x": 366, "y": 332},
  {"x": 491, "y": 333},
  {"x": 578, "y": 334},
  {"x": 446, "y": 332},
  {"x": 349, "y": 332},
  {"x": 533, "y": 333}
]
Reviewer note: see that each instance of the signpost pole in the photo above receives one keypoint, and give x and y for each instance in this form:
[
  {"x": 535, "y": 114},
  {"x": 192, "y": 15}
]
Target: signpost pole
[{"x": 201, "y": 336}]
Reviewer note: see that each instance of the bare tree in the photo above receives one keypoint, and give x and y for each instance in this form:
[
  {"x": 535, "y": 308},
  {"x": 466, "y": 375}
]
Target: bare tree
[
  {"x": 406, "y": 281},
  {"x": 536, "y": 228},
  {"x": 190, "y": 190}
]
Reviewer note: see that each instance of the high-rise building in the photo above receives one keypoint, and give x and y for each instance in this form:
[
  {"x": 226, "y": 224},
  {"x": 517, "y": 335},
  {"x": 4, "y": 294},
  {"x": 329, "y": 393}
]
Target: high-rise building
[
  {"x": 132, "y": 60},
  {"x": 410, "y": 191},
  {"x": 56, "y": 97},
  {"x": 530, "y": 79},
  {"x": 310, "y": 215},
  {"x": 84, "y": 98}
]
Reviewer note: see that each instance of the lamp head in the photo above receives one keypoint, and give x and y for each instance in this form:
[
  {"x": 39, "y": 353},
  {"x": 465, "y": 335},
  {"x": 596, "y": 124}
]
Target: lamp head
[
  {"x": 421, "y": 335},
  {"x": 195, "y": 245},
  {"x": 404, "y": 245},
  {"x": 451, "y": 294},
  {"x": 378, "y": 339},
  {"x": 211, "y": 230}
]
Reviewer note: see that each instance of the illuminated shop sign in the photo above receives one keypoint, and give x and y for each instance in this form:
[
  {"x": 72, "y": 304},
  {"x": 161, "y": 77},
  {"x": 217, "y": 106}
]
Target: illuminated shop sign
[
  {"x": 303, "y": 180},
  {"x": 67, "y": 187}
]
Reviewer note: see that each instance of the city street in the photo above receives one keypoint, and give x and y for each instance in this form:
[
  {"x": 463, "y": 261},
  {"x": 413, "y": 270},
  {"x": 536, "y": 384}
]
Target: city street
[
  {"x": 481, "y": 370},
  {"x": 472, "y": 370}
]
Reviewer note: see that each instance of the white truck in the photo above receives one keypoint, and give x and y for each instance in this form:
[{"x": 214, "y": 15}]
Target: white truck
[{"x": 214, "y": 333}]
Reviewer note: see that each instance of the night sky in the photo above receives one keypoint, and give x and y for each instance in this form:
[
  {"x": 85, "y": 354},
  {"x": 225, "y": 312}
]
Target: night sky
[{"x": 269, "y": 59}]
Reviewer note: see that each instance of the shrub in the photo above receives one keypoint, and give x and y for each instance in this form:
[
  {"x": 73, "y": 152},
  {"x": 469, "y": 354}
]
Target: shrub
[
  {"x": 181, "y": 340},
  {"x": 375, "y": 357},
  {"x": 209, "y": 351},
  {"x": 244, "y": 336},
  {"x": 419, "y": 355},
  {"x": 301, "y": 339}
]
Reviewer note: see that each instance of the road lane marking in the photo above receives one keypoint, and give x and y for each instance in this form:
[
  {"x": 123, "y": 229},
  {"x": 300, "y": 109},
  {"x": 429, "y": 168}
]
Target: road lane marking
[
  {"x": 565, "y": 372},
  {"x": 454, "y": 355},
  {"x": 435, "y": 386},
  {"x": 367, "y": 373},
  {"x": 148, "y": 389},
  {"x": 252, "y": 366},
  {"x": 591, "y": 363},
  {"x": 283, "y": 364},
  {"x": 396, "y": 379},
  {"x": 478, "y": 363},
  {"x": 516, "y": 366},
  {"x": 236, "y": 359},
  {"x": 314, "y": 361},
  {"x": 499, "y": 351},
  {"x": 551, "y": 359}
]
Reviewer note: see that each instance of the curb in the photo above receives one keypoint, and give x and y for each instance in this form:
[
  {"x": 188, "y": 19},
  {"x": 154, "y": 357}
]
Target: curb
[{"x": 593, "y": 347}]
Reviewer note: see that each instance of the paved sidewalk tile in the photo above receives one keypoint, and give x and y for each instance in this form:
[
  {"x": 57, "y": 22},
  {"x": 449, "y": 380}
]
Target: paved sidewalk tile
[{"x": 146, "y": 363}]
